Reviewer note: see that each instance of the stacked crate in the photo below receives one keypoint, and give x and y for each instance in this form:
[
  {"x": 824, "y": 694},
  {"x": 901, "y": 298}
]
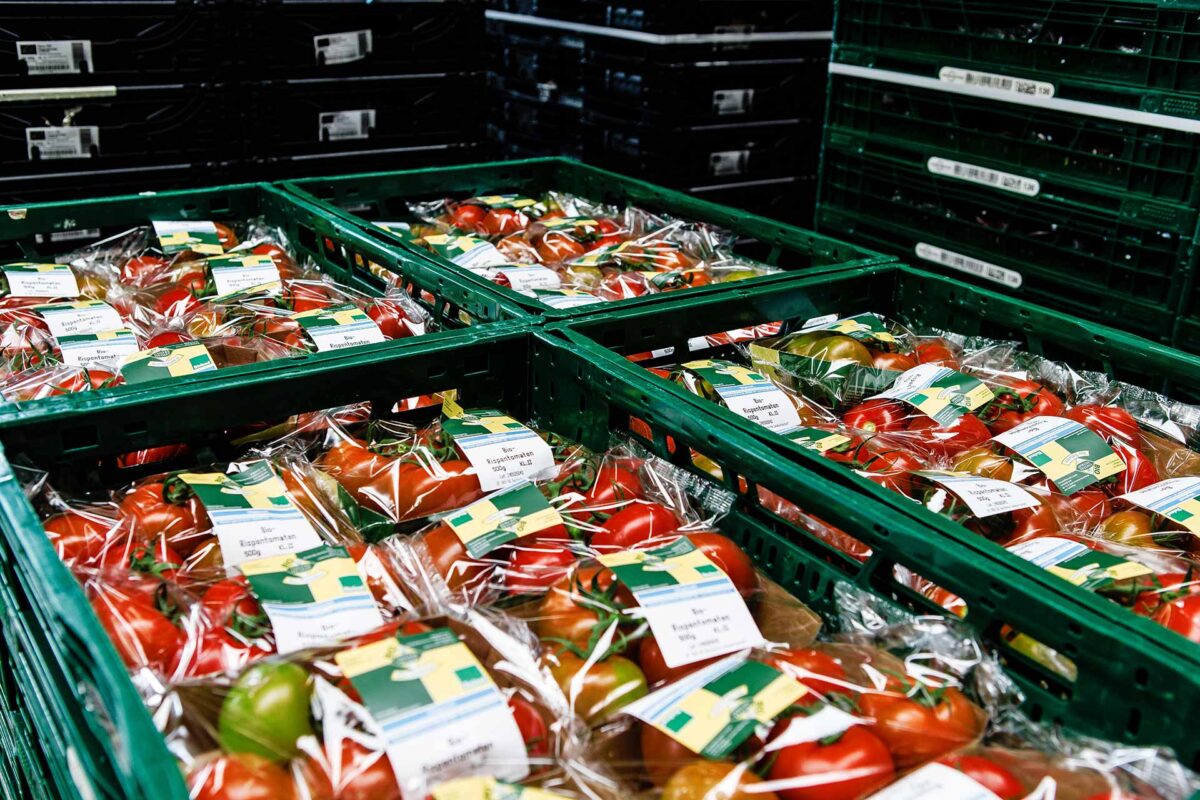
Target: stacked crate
[
  {"x": 101, "y": 97},
  {"x": 722, "y": 99},
  {"x": 1048, "y": 148}
]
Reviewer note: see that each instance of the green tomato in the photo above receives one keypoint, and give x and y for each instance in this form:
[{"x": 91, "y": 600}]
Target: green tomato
[{"x": 266, "y": 711}]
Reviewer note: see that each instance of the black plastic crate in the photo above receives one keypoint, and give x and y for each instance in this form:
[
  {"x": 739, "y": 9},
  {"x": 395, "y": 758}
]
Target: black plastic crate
[
  {"x": 707, "y": 90},
  {"x": 550, "y": 92},
  {"x": 24, "y": 188},
  {"x": 536, "y": 54},
  {"x": 1125, "y": 268},
  {"x": 713, "y": 16},
  {"x": 386, "y": 160},
  {"x": 305, "y": 39},
  {"x": 78, "y": 42},
  {"x": 119, "y": 127},
  {"x": 542, "y": 120},
  {"x": 702, "y": 155},
  {"x": 509, "y": 144},
  {"x": 322, "y": 117},
  {"x": 1106, "y": 155},
  {"x": 792, "y": 200}
]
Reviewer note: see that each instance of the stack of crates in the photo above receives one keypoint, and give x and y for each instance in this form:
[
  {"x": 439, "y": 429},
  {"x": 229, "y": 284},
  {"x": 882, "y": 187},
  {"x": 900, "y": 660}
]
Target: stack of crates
[
  {"x": 724, "y": 100},
  {"x": 1048, "y": 148}
]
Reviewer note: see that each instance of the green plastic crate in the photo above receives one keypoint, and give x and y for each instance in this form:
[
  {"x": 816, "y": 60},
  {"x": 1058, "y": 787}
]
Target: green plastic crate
[
  {"x": 383, "y": 196},
  {"x": 1120, "y": 260},
  {"x": 1136, "y": 54},
  {"x": 574, "y": 391},
  {"x": 1054, "y": 147},
  {"x": 43, "y": 230}
]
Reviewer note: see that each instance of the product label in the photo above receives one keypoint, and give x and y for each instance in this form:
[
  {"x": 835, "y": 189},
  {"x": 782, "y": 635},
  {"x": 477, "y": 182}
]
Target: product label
[
  {"x": 504, "y": 517},
  {"x": 66, "y": 57},
  {"x": 692, "y": 607},
  {"x": 342, "y": 48},
  {"x": 513, "y": 201},
  {"x": 938, "y": 392},
  {"x": 1077, "y": 563},
  {"x": 313, "y": 597},
  {"x": 984, "y": 176},
  {"x": 715, "y": 709},
  {"x": 935, "y": 782},
  {"x": 559, "y": 223},
  {"x": 108, "y": 348},
  {"x": 334, "y": 126},
  {"x": 251, "y": 513},
  {"x": 609, "y": 253},
  {"x": 437, "y": 708},
  {"x": 729, "y": 162},
  {"x": 339, "y": 327},
  {"x": 565, "y": 298},
  {"x": 727, "y": 102},
  {"x": 84, "y": 316},
  {"x": 870, "y": 329},
  {"x": 67, "y": 236},
  {"x": 1177, "y": 499},
  {"x": 64, "y": 141},
  {"x": 985, "y": 497},
  {"x": 842, "y": 382},
  {"x": 236, "y": 273},
  {"x": 988, "y": 80},
  {"x": 199, "y": 236},
  {"x": 468, "y": 252},
  {"x": 488, "y": 788},
  {"x": 817, "y": 439},
  {"x": 40, "y": 280},
  {"x": 168, "y": 361},
  {"x": 1066, "y": 452},
  {"x": 526, "y": 279},
  {"x": 748, "y": 394},
  {"x": 503, "y": 451},
  {"x": 982, "y": 269}
]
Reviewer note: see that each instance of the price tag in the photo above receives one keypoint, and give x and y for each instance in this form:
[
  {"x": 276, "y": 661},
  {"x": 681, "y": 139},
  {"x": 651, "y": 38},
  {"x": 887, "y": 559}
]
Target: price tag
[
  {"x": 82, "y": 317},
  {"x": 40, "y": 280},
  {"x": 62, "y": 141},
  {"x": 336, "y": 126},
  {"x": 985, "y": 497},
  {"x": 504, "y": 517},
  {"x": 747, "y": 394},
  {"x": 526, "y": 279},
  {"x": 1177, "y": 499},
  {"x": 715, "y": 709},
  {"x": 251, "y": 513},
  {"x": 63, "y": 57},
  {"x": 938, "y": 392},
  {"x": 1063, "y": 450},
  {"x": 437, "y": 709},
  {"x": 169, "y": 361},
  {"x": 1075, "y": 562},
  {"x": 199, "y": 236},
  {"x": 237, "y": 273},
  {"x": 692, "y": 607},
  {"x": 342, "y": 48},
  {"x": 468, "y": 252},
  {"x": 313, "y": 597},
  {"x": 503, "y": 451},
  {"x": 108, "y": 349},
  {"x": 339, "y": 327}
]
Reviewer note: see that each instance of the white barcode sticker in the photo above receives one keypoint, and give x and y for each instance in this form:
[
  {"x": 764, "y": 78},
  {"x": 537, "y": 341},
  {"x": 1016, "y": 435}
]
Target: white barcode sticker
[
  {"x": 342, "y": 48},
  {"x": 989, "y": 80},
  {"x": 727, "y": 102},
  {"x": 67, "y": 57},
  {"x": 953, "y": 260},
  {"x": 67, "y": 236},
  {"x": 982, "y": 175},
  {"x": 729, "y": 162},
  {"x": 338, "y": 125},
  {"x": 81, "y": 141}
]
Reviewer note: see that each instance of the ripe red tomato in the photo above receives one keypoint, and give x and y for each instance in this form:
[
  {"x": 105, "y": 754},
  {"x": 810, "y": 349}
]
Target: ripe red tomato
[
  {"x": 391, "y": 318},
  {"x": 240, "y": 776},
  {"x": 155, "y": 558},
  {"x": 857, "y": 763},
  {"x": 634, "y": 524},
  {"x": 1139, "y": 469},
  {"x": 988, "y": 774},
  {"x": 362, "y": 773},
  {"x": 450, "y": 558},
  {"x": 650, "y": 659},
  {"x": 467, "y": 217},
  {"x": 571, "y": 610},
  {"x": 230, "y": 603},
  {"x": 283, "y": 261},
  {"x": 731, "y": 559},
  {"x": 1018, "y": 400},
  {"x": 537, "y": 565},
  {"x": 948, "y": 440},
  {"x": 144, "y": 270},
  {"x": 1181, "y": 615},
  {"x": 534, "y": 730},
  {"x": 167, "y": 337},
  {"x": 897, "y": 362},
  {"x": 1107, "y": 421},
  {"x": 143, "y": 636},
  {"x": 150, "y": 515},
  {"x": 177, "y": 302},
  {"x": 220, "y": 651},
  {"x": 77, "y": 538},
  {"x": 308, "y": 296},
  {"x": 662, "y": 755},
  {"x": 501, "y": 221},
  {"x": 811, "y": 668},
  {"x": 558, "y": 246},
  {"x": 882, "y": 416},
  {"x": 936, "y": 351},
  {"x": 918, "y": 730},
  {"x": 1170, "y": 586},
  {"x": 891, "y": 469}
]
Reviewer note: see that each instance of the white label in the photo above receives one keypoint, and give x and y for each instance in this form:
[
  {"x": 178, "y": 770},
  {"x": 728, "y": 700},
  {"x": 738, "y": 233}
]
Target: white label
[
  {"x": 481, "y": 257},
  {"x": 335, "y": 126},
  {"x": 249, "y": 533},
  {"x": 41, "y": 280},
  {"x": 68, "y": 141},
  {"x": 67, "y": 57},
  {"x": 935, "y": 782},
  {"x": 829, "y": 721},
  {"x": 989, "y": 80},
  {"x": 68, "y": 236},
  {"x": 1047, "y": 551},
  {"x": 340, "y": 337},
  {"x": 985, "y": 497},
  {"x": 1177, "y": 499},
  {"x": 732, "y": 101},
  {"x": 299, "y": 627},
  {"x": 504, "y": 458},
  {"x": 526, "y": 279},
  {"x": 342, "y": 48},
  {"x": 984, "y": 176},
  {"x": 729, "y": 162},
  {"x": 237, "y": 273},
  {"x": 983, "y": 269},
  {"x": 817, "y": 322},
  {"x": 69, "y": 320},
  {"x": 567, "y": 300},
  {"x": 761, "y": 403},
  {"x": 109, "y": 349}
]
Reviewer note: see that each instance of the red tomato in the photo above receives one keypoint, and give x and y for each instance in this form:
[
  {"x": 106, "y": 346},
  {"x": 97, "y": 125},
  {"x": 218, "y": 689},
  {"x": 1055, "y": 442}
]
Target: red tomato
[
  {"x": 149, "y": 515},
  {"x": 664, "y": 756},
  {"x": 936, "y": 351},
  {"x": 501, "y": 221},
  {"x": 634, "y": 524},
  {"x": 731, "y": 559},
  {"x": 177, "y": 302},
  {"x": 811, "y": 667},
  {"x": 308, "y": 296},
  {"x": 283, "y": 261},
  {"x": 897, "y": 362},
  {"x": 1139, "y": 469},
  {"x": 534, "y": 730},
  {"x": 167, "y": 337},
  {"x": 467, "y": 217},
  {"x": 857, "y": 752},
  {"x": 155, "y": 558},
  {"x": 947, "y": 440},
  {"x": 194, "y": 281},
  {"x": 391, "y": 318},
  {"x": 557, "y": 246},
  {"x": 537, "y": 565},
  {"x": 614, "y": 484},
  {"x": 650, "y": 659},
  {"x": 229, "y": 603},
  {"x": 891, "y": 469},
  {"x": 143, "y": 635},
  {"x": 1107, "y": 421},
  {"x": 882, "y": 416},
  {"x": 1181, "y": 615},
  {"x": 219, "y": 651},
  {"x": 918, "y": 730},
  {"x": 1017, "y": 400},
  {"x": 144, "y": 270},
  {"x": 1169, "y": 587},
  {"x": 362, "y": 773},
  {"x": 240, "y": 776},
  {"x": 988, "y": 774},
  {"x": 76, "y": 537}
]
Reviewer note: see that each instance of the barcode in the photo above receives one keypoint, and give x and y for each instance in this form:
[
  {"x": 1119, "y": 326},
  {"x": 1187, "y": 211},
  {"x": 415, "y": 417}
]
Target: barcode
[
  {"x": 974, "y": 266},
  {"x": 982, "y": 175},
  {"x": 1004, "y": 83}
]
